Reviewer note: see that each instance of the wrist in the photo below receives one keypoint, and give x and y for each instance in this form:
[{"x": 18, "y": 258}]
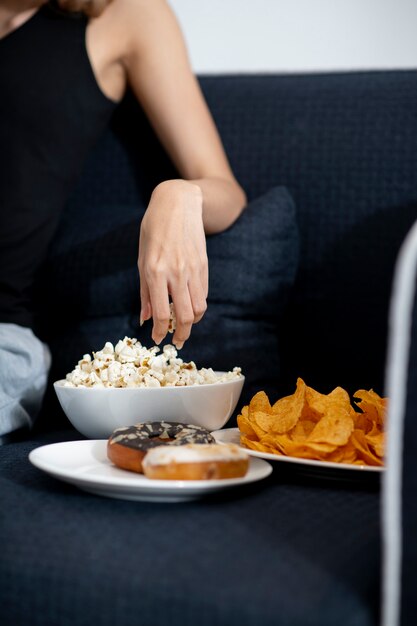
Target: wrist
[{"x": 178, "y": 188}]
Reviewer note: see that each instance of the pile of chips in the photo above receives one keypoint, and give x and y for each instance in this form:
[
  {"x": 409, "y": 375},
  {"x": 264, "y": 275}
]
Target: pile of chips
[{"x": 311, "y": 425}]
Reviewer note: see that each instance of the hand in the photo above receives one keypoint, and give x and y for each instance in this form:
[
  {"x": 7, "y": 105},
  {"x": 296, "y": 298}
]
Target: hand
[{"x": 173, "y": 259}]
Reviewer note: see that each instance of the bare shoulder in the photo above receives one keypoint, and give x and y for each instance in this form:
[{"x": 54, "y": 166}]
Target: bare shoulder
[
  {"x": 136, "y": 17},
  {"x": 146, "y": 9},
  {"x": 140, "y": 25},
  {"x": 129, "y": 36},
  {"x": 132, "y": 7}
]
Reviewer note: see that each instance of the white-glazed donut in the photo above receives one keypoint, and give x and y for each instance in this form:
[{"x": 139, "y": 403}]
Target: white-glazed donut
[{"x": 195, "y": 462}]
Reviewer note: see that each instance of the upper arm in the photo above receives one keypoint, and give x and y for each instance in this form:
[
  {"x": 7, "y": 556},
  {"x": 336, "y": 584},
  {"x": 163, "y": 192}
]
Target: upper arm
[{"x": 159, "y": 72}]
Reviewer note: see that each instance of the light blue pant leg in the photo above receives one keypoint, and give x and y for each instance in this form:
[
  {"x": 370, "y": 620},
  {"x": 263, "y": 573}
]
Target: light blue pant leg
[{"x": 24, "y": 367}]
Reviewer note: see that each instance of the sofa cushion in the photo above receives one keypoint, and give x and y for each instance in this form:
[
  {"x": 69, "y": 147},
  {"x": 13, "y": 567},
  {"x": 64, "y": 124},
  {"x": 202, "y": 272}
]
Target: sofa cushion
[
  {"x": 288, "y": 551},
  {"x": 252, "y": 267}
]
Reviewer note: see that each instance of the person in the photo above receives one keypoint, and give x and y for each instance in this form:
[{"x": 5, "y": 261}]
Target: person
[{"x": 64, "y": 67}]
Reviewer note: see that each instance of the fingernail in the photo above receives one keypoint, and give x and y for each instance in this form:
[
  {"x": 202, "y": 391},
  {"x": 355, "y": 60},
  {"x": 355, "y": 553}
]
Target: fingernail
[
  {"x": 141, "y": 320},
  {"x": 179, "y": 345}
]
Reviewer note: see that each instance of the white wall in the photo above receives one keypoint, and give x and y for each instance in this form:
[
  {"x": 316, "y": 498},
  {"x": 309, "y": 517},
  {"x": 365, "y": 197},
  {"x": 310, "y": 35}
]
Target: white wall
[{"x": 298, "y": 35}]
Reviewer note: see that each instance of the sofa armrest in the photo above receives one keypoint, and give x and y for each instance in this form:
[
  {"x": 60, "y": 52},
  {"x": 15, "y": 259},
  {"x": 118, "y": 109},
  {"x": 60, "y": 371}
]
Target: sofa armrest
[{"x": 399, "y": 502}]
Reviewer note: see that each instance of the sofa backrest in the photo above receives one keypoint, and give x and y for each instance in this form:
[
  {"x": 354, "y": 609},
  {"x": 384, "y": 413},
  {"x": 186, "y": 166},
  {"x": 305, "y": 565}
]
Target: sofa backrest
[{"x": 345, "y": 146}]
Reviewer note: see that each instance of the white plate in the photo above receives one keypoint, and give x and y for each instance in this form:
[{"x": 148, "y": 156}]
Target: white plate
[
  {"x": 85, "y": 464},
  {"x": 232, "y": 435}
]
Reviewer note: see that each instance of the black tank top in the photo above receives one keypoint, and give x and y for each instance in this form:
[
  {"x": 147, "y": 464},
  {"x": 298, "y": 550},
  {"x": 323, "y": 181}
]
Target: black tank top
[{"x": 51, "y": 113}]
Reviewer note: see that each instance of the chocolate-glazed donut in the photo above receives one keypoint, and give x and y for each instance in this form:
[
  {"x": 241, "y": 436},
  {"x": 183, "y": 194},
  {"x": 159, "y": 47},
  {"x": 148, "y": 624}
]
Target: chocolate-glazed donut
[{"x": 127, "y": 446}]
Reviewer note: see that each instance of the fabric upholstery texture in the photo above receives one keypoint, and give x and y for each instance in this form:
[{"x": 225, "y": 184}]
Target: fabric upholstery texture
[
  {"x": 344, "y": 145},
  {"x": 291, "y": 551}
]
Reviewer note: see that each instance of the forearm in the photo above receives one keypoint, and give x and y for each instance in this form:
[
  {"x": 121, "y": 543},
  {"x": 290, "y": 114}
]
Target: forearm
[{"x": 223, "y": 202}]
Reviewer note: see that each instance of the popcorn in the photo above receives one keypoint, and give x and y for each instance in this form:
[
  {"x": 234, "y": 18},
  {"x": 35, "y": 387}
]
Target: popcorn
[
  {"x": 172, "y": 324},
  {"x": 129, "y": 364}
]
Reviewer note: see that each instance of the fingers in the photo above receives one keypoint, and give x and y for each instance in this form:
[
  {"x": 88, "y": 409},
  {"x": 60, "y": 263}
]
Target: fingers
[
  {"x": 189, "y": 305},
  {"x": 188, "y": 297},
  {"x": 204, "y": 277},
  {"x": 158, "y": 293},
  {"x": 183, "y": 312},
  {"x": 145, "y": 303},
  {"x": 198, "y": 296}
]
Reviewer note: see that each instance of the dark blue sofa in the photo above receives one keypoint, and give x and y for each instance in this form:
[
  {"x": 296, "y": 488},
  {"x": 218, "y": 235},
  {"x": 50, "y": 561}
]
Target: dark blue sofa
[{"x": 299, "y": 549}]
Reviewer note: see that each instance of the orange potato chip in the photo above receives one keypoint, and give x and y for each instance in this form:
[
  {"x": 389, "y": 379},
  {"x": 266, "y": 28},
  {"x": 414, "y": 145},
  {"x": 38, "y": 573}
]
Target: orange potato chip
[
  {"x": 244, "y": 423},
  {"x": 376, "y": 442},
  {"x": 260, "y": 402},
  {"x": 302, "y": 429},
  {"x": 265, "y": 421},
  {"x": 310, "y": 450},
  {"x": 315, "y": 403},
  {"x": 286, "y": 412},
  {"x": 335, "y": 427},
  {"x": 363, "y": 422},
  {"x": 319, "y": 403},
  {"x": 258, "y": 430},
  {"x": 304, "y": 449},
  {"x": 256, "y": 445},
  {"x": 372, "y": 405},
  {"x": 344, "y": 454},
  {"x": 364, "y": 451},
  {"x": 276, "y": 443}
]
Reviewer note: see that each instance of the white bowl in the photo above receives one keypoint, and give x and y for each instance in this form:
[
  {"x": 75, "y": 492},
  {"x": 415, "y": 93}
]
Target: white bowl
[{"x": 97, "y": 411}]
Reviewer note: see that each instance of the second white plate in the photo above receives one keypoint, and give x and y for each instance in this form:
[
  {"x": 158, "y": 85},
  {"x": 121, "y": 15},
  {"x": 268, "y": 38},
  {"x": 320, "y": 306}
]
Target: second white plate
[{"x": 232, "y": 435}]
